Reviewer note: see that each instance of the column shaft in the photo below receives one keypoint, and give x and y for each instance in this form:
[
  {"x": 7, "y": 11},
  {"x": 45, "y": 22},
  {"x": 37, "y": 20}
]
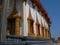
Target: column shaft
[
  {"x": 17, "y": 27},
  {"x": 28, "y": 27}
]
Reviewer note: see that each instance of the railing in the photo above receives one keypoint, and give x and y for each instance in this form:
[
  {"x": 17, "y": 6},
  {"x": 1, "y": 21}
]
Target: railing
[{"x": 14, "y": 40}]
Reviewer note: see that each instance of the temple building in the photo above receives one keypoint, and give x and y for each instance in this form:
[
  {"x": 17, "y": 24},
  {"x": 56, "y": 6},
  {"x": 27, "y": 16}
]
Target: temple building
[{"x": 26, "y": 18}]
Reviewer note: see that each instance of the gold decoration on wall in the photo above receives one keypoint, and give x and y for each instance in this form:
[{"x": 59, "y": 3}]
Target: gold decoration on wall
[
  {"x": 14, "y": 15},
  {"x": 30, "y": 19}
]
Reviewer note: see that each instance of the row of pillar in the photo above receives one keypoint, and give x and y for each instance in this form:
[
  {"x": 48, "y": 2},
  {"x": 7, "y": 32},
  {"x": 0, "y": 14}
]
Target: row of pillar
[{"x": 45, "y": 32}]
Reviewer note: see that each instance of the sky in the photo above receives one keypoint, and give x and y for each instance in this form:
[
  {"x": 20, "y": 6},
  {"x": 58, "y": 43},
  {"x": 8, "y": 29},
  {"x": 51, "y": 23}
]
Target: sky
[{"x": 53, "y": 9}]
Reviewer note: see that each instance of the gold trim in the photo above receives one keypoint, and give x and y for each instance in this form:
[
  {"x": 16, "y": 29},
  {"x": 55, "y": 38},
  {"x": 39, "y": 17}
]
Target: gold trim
[{"x": 17, "y": 27}]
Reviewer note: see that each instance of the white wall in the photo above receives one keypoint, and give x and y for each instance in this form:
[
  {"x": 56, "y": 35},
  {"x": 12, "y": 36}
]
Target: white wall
[{"x": 33, "y": 14}]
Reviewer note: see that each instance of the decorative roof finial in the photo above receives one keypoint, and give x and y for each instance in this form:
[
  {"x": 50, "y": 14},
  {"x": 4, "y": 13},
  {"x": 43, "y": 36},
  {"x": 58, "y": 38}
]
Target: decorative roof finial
[
  {"x": 14, "y": 9},
  {"x": 14, "y": 12},
  {"x": 15, "y": 4}
]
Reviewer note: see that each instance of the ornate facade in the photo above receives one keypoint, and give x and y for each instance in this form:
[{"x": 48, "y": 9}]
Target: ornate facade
[{"x": 27, "y": 18}]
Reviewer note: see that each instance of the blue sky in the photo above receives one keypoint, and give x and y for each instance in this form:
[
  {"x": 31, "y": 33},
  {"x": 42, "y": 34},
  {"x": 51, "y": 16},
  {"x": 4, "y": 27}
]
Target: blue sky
[{"x": 53, "y": 9}]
